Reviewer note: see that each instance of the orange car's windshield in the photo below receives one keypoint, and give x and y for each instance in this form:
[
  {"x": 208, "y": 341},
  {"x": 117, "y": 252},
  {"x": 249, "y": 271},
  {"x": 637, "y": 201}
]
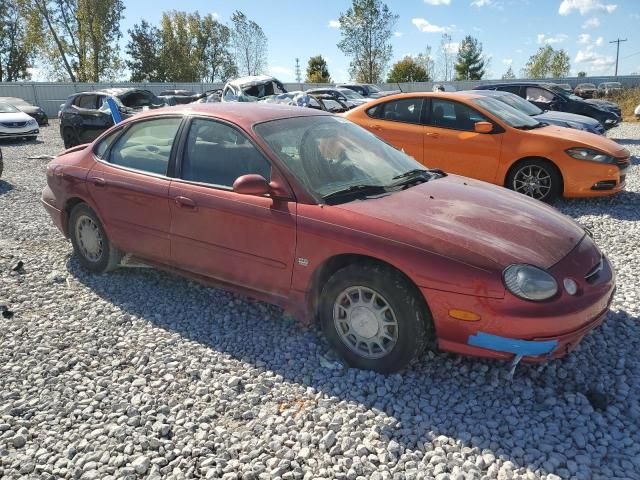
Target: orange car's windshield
[
  {"x": 509, "y": 115},
  {"x": 329, "y": 154}
]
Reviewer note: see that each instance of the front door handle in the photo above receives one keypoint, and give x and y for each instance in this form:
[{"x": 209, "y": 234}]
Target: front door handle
[
  {"x": 432, "y": 134},
  {"x": 185, "y": 202},
  {"x": 99, "y": 182},
  {"x": 376, "y": 127}
]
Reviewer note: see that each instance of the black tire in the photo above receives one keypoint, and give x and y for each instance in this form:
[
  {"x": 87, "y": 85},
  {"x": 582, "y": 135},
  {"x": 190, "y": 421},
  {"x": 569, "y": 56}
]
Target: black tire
[
  {"x": 1, "y": 164},
  {"x": 109, "y": 256},
  {"x": 547, "y": 170},
  {"x": 70, "y": 138},
  {"x": 413, "y": 319}
]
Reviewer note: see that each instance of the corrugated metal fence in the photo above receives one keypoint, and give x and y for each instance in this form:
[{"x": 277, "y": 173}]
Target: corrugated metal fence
[{"x": 49, "y": 95}]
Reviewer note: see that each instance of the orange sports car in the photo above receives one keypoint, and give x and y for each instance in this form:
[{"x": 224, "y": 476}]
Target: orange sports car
[{"x": 484, "y": 138}]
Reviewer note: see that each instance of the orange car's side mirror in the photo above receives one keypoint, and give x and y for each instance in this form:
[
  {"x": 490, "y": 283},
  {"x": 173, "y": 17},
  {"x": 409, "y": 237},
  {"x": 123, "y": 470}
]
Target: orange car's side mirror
[
  {"x": 483, "y": 127},
  {"x": 251, "y": 184}
]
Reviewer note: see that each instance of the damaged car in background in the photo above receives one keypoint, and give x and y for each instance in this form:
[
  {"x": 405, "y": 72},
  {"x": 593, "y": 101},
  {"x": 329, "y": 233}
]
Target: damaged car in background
[
  {"x": 86, "y": 115},
  {"x": 267, "y": 89}
]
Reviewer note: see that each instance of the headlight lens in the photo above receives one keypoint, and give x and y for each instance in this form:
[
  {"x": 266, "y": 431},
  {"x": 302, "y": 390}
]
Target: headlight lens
[
  {"x": 31, "y": 122},
  {"x": 580, "y": 153},
  {"x": 529, "y": 282}
]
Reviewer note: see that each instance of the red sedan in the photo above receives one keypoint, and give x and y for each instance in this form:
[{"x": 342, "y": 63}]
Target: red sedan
[{"x": 313, "y": 213}]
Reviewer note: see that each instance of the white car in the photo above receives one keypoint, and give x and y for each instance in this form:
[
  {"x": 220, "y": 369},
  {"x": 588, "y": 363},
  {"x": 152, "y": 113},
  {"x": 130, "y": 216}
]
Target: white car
[
  {"x": 16, "y": 124},
  {"x": 637, "y": 111}
]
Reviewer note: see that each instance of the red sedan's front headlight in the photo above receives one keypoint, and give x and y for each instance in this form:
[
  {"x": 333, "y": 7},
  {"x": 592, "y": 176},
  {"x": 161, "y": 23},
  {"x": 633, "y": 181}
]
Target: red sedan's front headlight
[{"x": 529, "y": 282}]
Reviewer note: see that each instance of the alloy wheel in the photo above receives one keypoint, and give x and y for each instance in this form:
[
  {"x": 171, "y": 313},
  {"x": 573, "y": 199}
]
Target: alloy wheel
[{"x": 533, "y": 181}]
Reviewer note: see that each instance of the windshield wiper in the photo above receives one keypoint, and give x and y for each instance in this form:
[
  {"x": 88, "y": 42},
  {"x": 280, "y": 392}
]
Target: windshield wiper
[
  {"x": 416, "y": 174},
  {"x": 355, "y": 191}
]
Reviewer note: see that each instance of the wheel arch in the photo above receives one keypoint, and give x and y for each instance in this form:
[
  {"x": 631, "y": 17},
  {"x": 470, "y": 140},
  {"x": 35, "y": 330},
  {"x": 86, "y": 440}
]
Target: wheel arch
[
  {"x": 70, "y": 204},
  {"x": 332, "y": 264},
  {"x": 546, "y": 160}
]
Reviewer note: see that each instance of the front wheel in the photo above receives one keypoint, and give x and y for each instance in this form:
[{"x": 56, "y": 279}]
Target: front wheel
[
  {"x": 537, "y": 179},
  {"x": 90, "y": 242},
  {"x": 372, "y": 316}
]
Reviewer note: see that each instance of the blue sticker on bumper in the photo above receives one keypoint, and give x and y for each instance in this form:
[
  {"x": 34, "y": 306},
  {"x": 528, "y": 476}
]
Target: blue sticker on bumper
[{"x": 512, "y": 345}]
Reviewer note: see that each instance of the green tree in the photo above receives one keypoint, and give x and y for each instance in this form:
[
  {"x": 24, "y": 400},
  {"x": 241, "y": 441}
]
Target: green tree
[
  {"x": 16, "y": 52},
  {"x": 317, "y": 71},
  {"x": 366, "y": 29},
  {"x": 408, "y": 70},
  {"x": 143, "y": 52},
  {"x": 547, "y": 62},
  {"x": 446, "y": 57},
  {"x": 560, "y": 64},
  {"x": 249, "y": 43},
  {"x": 76, "y": 38},
  {"x": 509, "y": 75},
  {"x": 582, "y": 74},
  {"x": 470, "y": 63}
]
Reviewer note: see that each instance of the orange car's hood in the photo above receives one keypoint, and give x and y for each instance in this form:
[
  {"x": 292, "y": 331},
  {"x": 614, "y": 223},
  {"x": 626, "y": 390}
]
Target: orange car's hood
[
  {"x": 473, "y": 222},
  {"x": 579, "y": 138}
]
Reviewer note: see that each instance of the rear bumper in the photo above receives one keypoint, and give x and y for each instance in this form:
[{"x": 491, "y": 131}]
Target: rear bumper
[{"x": 56, "y": 214}]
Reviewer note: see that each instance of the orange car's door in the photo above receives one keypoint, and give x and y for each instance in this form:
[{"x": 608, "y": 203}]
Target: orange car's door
[
  {"x": 452, "y": 145},
  {"x": 241, "y": 239},
  {"x": 398, "y": 122}
]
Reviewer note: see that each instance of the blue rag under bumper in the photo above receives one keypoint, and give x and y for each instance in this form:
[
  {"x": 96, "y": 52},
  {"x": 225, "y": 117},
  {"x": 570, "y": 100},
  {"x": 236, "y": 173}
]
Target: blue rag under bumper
[{"x": 512, "y": 345}]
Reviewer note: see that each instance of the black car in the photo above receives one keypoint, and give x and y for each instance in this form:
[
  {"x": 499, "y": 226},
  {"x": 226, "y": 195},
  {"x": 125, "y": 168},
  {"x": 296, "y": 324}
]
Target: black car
[
  {"x": 84, "y": 116},
  {"x": 32, "y": 110},
  {"x": 367, "y": 90},
  {"x": 1, "y": 163},
  {"x": 548, "y": 96},
  {"x": 562, "y": 119}
]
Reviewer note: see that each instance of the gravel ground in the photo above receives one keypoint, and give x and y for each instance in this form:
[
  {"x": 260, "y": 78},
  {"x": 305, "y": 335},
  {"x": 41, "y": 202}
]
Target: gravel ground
[{"x": 141, "y": 374}]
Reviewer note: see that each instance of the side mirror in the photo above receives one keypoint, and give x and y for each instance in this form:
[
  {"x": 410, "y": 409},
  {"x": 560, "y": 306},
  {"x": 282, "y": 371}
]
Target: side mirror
[
  {"x": 251, "y": 184},
  {"x": 483, "y": 127}
]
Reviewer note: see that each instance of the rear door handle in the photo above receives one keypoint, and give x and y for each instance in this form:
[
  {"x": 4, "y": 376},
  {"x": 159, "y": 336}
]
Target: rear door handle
[
  {"x": 99, "y": 182},
  {"x": 432, "y": 135},
  {"x": 185, "y": 202},
  {"x": 376, "y": 127}
]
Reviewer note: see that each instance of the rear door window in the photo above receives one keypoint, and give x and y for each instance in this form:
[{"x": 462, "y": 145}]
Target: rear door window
[
  {"x": 539, "y": 95},
  {"x": 407, "y": 110},
  {"x": 146, "y": 145},
  {"x": 88, "y": 102}
]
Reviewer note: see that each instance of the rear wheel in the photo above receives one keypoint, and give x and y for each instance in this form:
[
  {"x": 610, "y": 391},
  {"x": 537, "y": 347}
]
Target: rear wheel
[
  {"x": 373, "y": 317},
  {"x": 537, "y": 179},
  {"x": 90, "y": 242},
  {"x": 70, "y": 138}
]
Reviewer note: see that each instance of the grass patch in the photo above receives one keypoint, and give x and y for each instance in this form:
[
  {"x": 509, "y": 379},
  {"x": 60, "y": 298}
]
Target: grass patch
[{"x": 628, "y": 100}]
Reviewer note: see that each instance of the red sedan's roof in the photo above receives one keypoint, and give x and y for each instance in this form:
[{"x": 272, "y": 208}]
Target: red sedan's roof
[{"x": 244, "y": 114}]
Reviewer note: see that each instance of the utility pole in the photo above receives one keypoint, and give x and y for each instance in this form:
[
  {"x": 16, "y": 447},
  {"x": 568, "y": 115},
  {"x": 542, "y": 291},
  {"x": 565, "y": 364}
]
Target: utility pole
[
  {"x": 617, "y": 51},
  {"x": 298, "y": 76}
]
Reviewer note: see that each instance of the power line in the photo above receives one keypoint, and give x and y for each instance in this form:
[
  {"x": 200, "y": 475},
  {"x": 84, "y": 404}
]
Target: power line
[
  {"x": 617, "y": 51},
  {"x": 632, "y": 55}
]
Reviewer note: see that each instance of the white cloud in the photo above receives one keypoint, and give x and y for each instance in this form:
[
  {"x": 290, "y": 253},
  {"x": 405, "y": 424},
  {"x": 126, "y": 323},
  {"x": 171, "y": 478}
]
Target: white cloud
[
  {"x": 437, "y": 2},
  {"x": 333, "y": 24},
  {"x": 481, "y": 3},
  {"x": 593, "y": 22},
  {"x": 397, "y": 34},
  {"x": 585, "y": 6},
  {"x": 550, "y": 40},
  {"x": 507, "y": 61},
  {"x": 584, "y": 38},
  {"x": 424, "y": 26},
  {"x": 591, "y": 60},
  {"x": 215, "y": 15}
]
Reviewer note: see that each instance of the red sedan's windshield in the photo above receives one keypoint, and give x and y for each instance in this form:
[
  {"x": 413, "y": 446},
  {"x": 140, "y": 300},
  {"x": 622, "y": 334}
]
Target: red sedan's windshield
[{"x": 329, "y": 153}]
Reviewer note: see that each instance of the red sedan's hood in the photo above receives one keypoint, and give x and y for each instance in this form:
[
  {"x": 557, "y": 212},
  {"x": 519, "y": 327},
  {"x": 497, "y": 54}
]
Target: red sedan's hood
[{"x": 473, "y": 222}]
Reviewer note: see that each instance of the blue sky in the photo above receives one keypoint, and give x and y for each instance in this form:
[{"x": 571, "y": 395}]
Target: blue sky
[{"x": 510, "y": 30}]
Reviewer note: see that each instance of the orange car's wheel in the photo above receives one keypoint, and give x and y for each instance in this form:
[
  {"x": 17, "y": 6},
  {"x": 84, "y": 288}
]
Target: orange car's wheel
[
  {"x": 90, "y": 242},
  {"x": 537, "y": 179},
  {"x": 372, "y": 316}
]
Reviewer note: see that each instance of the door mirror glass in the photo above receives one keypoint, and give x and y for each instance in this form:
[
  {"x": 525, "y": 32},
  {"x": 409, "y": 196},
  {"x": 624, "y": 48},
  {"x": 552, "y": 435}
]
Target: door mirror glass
[
  {"x": 483, "y": 127},
  {"x": 251, "y": 184}
]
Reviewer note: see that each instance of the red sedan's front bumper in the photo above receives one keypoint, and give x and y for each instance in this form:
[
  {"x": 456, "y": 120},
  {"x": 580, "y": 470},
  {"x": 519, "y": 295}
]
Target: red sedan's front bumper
[{"x": 510, "y": 324}]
